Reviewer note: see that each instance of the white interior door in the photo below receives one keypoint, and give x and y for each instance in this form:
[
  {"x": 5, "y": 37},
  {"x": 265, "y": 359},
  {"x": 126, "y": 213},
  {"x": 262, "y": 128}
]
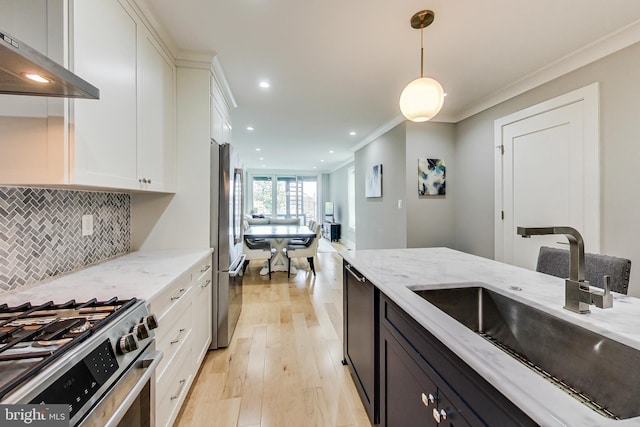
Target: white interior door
[{"x": 547, "y": 174}]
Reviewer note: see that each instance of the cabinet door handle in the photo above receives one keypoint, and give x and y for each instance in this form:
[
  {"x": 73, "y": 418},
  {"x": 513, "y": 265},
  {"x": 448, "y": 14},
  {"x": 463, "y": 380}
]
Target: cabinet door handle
[
  {"x": 180, "y": 293},
  {"x": 179, "y": 391},
  {"x": 205, "y": 268},
  {"x": 179, "y": 337},
  {"x": 427, "y": 400},
  {"x": 439, "y": 416},
  {"x": 358, "y": 278},
  {"x": 206, "y": 283}
]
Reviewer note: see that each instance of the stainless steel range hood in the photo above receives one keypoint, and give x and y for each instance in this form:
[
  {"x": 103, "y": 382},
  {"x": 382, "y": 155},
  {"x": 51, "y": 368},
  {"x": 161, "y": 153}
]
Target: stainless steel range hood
[{"x": 17, "y": 60}]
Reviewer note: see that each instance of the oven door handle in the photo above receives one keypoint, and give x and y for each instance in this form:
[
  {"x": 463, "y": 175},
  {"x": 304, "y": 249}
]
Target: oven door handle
[{"x": 148, "y": 361}]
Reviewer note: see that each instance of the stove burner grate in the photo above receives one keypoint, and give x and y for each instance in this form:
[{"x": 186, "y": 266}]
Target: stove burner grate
[{"x": 49, "y": 330}]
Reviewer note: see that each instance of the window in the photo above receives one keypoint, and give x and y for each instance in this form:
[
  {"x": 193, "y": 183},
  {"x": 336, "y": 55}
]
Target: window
[
  {"x": 351, "y": 196},
  {"x": 292, "y": 197},
  {"x": 262, "y": 194}
]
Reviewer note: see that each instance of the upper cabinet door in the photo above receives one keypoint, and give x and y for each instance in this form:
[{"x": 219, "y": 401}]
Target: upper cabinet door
[
  {"x": 104, "y": 132},
  {"x": 157, "y": 116}
]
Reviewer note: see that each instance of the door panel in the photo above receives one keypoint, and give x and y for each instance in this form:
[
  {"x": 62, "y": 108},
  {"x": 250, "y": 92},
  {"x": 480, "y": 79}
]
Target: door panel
[{"x": 548, "y": 175}]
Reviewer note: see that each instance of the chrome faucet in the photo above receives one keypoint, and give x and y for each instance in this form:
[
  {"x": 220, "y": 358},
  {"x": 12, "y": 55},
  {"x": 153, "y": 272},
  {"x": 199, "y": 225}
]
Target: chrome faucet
[{"x": 577, "y": 293}]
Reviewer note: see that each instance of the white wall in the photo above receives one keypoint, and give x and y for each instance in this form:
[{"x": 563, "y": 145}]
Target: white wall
[
  {"x": 379, "y": 222},
  {"x": 430, "y": 219},
  {"x": 338, "y": 194},
  {"x": 619, "y": 159}
]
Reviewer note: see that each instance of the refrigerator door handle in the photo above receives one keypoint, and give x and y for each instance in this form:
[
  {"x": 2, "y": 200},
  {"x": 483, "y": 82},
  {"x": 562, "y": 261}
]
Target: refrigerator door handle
[{"x": 238, "y": 266}]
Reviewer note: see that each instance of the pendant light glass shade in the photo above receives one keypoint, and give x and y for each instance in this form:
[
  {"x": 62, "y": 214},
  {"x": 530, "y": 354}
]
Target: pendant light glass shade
[{"x": 421, "y": 99}]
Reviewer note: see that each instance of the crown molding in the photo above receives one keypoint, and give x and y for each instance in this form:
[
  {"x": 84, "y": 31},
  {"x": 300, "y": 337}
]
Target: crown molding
[
  {"x": 191, "y": 59},
  {"x": 605, "y": 46},
  {"x": 221, "y": 79}
]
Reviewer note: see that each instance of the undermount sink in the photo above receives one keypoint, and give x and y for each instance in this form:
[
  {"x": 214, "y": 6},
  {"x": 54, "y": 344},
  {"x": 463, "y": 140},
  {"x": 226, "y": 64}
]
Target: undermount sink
[{"x": 600, "y": 372}]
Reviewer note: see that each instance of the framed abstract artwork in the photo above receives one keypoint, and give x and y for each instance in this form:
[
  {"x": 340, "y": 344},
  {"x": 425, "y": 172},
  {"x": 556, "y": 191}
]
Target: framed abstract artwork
[
  {"x": 374, "y": 181},
  {"x": 432, "y": 177}
]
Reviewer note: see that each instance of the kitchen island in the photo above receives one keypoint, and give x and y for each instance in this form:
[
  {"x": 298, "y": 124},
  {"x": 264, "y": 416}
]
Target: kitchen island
[{"x": 397, "y": 273}]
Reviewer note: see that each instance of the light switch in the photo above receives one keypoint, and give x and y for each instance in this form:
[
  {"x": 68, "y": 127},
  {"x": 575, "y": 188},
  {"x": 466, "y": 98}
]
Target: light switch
[
  {"x": 87, "y": 225},
  {"x": 399, "y": 204}
]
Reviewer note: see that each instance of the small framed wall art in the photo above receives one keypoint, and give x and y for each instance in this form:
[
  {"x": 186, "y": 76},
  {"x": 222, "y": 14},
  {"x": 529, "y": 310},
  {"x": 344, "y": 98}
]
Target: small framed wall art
[
  {"x": 432, "y": 177},
  {"x": 374, "y": 181}
]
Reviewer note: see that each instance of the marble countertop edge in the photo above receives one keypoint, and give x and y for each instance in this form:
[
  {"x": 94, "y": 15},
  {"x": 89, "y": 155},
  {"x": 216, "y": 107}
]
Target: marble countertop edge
[{"x": 139, "y": 274}]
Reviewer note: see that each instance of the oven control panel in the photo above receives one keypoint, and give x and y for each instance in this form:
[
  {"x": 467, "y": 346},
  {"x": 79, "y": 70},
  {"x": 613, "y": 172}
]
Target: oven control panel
[{"x": 83, "y": 380}]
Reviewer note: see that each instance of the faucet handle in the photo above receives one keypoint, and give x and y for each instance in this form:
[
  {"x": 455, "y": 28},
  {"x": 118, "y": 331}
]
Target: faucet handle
[{"x": 605, "y": 299}]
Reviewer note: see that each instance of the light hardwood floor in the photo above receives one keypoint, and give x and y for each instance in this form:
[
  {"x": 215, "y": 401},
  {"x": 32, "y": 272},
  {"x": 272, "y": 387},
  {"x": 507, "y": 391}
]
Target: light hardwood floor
[{"x": 282, "y": 367}]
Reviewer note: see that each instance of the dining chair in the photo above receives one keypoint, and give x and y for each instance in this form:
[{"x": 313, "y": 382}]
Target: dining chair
[
  {"x": 555, "y": 262},
  {"x": 308, "y": 249},
  {"x": 306, "y": 240},
  {"x": 257, "y": 249}
]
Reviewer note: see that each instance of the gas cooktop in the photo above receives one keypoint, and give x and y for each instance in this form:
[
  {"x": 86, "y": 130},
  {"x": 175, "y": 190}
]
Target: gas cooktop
[{"x": 32, "y": 337}]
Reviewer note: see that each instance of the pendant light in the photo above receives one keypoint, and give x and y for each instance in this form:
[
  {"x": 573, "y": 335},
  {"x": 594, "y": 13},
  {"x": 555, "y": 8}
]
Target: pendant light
[{"x": 421, "y": 99}]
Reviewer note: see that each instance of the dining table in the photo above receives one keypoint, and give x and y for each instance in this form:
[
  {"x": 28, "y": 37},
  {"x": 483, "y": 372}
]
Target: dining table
[{"x": 279, "y": 236}]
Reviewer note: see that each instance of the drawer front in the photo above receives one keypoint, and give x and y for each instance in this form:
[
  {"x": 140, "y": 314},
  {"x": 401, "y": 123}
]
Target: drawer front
[
  {"x": 201, "y": 318},
  {"x": 172, "y": 388},
  {"x": 201, "y": 270},
  {"x": 175, "y": 333},
  {"x": 170, "y": 297}
]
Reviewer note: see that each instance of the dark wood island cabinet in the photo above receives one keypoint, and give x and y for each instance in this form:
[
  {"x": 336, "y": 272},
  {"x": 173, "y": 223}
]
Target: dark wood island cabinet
[
  {"x": 406, "y": 376},
  {"x": 361, "y": 335}
]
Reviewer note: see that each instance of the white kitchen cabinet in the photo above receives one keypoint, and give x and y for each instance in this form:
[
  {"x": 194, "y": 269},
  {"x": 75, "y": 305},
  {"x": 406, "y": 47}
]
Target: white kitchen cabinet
[
  {"x": 220, "y": 114},
  {"x": 156, "y": 147},
  {"x": 201, "y": 309},
  {"x": 126, "y": 139},
  {"x": 183, "y": 335},
  {"x": 104, "y": 133}
]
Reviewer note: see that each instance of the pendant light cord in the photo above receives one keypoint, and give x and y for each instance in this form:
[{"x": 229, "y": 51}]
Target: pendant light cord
[{"x": 421, "y": 53}]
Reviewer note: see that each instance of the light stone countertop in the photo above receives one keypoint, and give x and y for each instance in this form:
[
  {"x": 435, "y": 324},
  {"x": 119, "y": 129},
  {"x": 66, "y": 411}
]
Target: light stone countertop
[
  {"x": 137, "y": 274},
  {"x": 396, "y": 271}
]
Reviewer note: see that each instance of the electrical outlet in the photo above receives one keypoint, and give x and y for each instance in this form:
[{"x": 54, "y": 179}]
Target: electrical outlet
[{"x": 87, "y": 225}]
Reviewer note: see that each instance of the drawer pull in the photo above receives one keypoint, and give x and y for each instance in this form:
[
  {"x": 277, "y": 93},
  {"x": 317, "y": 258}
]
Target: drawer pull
[
  {"x": 179, "y": 337},
  {"x": 179, "y": 391},
  {"x": 427, "y": 400},
  {"x": 205, "y": 268},
  {"x": 207, "y": 283},
  {"x": 358, "y": 278},
  {"x": 180, "y": 293},
  {"x": 439, "y": 416}
]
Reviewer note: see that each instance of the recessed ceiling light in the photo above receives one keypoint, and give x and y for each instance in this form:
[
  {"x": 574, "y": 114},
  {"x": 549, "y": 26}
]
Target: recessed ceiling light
[
  {"x": 315, "y": 167},
  {"x": 321, "y": 161},
  {"x": 249, "y": 128},
  {"x": 261, "y": 158},
  {"x": 264, "y": 84},
  {"x": 258, "y": 149},
  {"x": 331, "y": 151},
  {"x": 352, "y": 133},
  {"x": 445, "y": 94}
]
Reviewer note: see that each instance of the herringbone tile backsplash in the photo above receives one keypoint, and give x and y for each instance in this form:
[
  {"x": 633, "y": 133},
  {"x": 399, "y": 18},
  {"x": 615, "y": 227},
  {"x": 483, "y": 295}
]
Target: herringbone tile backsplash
[{"x": 41, "y": 232}]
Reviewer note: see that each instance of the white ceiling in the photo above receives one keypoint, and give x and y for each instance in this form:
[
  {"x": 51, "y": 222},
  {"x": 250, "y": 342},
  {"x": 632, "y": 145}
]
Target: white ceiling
[{"x": 337, "y": 66}]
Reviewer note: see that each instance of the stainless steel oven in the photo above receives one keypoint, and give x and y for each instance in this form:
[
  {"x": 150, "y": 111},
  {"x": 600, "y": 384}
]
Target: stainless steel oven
[
  {"x": 98, "y": 358},
  {"x": 131, "y": 401}
]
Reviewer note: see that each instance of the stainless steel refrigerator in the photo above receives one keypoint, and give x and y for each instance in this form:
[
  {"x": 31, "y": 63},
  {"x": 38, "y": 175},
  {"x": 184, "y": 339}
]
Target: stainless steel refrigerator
[{"x": 226, "y": 238}]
